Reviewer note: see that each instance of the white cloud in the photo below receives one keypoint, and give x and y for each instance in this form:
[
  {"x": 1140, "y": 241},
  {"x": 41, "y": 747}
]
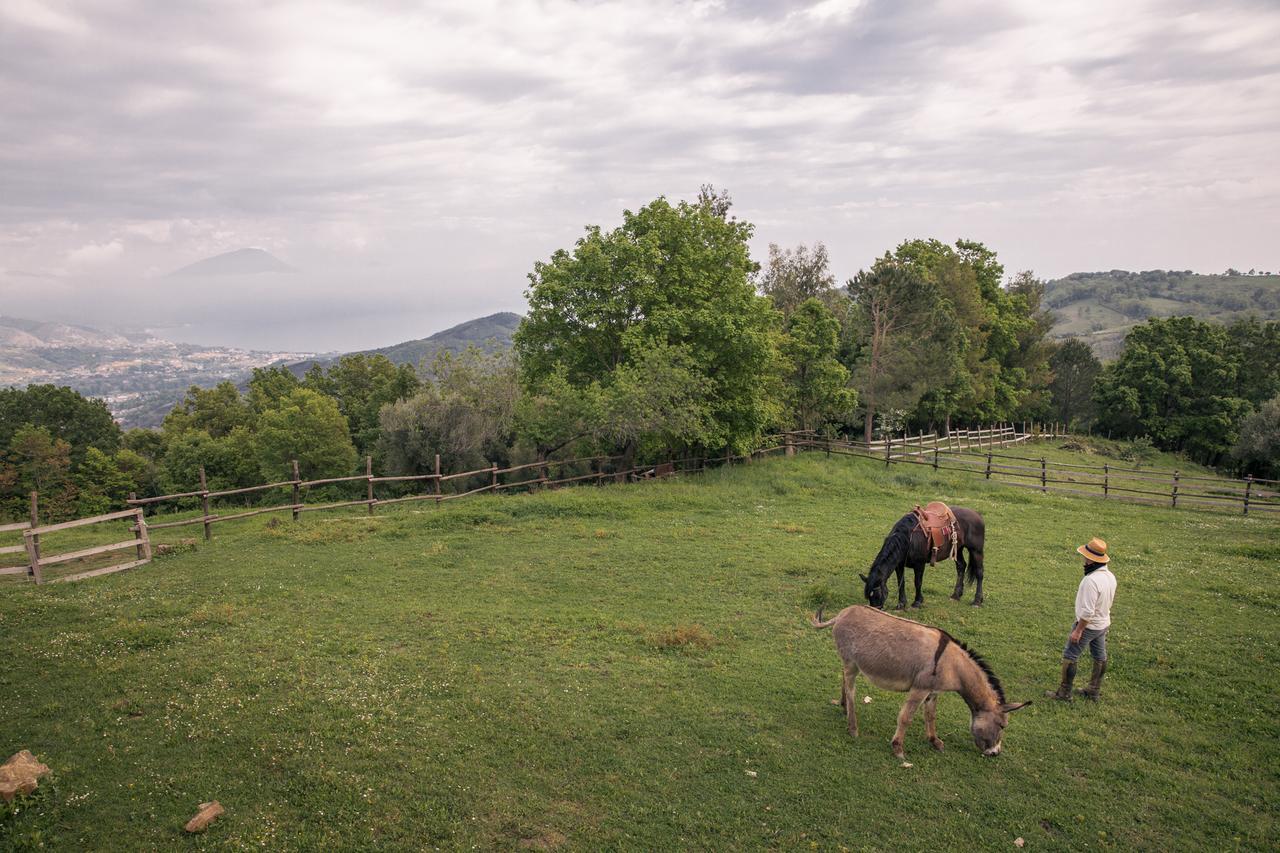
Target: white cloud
[{"x": 95, "y": 254}]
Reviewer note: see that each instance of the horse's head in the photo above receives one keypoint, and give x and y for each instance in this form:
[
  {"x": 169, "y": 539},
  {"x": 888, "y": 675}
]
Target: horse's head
[
  {"x": 987, "y": 726},
  {"x": 875, "y": 592}
]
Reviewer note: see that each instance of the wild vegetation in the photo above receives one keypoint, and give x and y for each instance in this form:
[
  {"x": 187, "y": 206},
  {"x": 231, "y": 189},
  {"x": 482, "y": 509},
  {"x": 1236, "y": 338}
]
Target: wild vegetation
[
  {"x": 662, "y": 337},
  {"x": 632, "y": 667}
]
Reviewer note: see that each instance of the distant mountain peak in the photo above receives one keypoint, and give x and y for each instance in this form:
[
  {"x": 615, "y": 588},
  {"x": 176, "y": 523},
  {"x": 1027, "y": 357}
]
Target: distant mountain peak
[{"x": 236, "y": 262}]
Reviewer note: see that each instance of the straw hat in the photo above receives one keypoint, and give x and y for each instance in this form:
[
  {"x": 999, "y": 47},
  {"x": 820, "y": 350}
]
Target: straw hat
[{"x": 1096, "y": 551}]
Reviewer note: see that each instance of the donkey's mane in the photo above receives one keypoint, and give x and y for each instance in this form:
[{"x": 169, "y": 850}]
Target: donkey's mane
[
  {"x": 992, "y": 680},
  {"x": 894, "y": 550}
]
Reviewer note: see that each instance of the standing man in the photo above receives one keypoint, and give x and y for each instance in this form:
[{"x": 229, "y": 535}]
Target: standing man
[{"x": 1093, "y": 618}]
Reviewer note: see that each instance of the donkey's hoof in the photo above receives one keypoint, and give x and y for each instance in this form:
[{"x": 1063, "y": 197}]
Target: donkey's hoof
[
  {"x": 937, "y": 743},
  {"x": 955, "y": 596},
  {"x": 977, "y": 604},
  {"x": 916, "y": 605},
  {"x": 902, "y": 605}
]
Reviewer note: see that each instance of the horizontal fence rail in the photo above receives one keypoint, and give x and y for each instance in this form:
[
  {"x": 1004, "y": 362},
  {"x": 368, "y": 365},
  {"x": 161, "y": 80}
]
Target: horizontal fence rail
[
  {"x": 979, "y": 452},
  {"x": 1102, "y": 481},
  {"x": 39, "y": 560}
]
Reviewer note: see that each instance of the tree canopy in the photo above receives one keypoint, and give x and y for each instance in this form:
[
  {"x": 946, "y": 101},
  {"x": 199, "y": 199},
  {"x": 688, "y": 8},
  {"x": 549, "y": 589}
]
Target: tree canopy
[{"x": 671, "y": 276}]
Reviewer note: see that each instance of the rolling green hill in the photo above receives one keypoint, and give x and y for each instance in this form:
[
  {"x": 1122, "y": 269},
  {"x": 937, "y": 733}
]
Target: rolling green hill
[
  {"x": 1101, "y": 306},
  {"x": 494, "y": 330}
]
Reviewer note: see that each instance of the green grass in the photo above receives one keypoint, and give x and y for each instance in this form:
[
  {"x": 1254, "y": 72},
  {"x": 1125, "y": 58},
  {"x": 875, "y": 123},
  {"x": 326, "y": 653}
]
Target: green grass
[{"x": 632, "y": 668}]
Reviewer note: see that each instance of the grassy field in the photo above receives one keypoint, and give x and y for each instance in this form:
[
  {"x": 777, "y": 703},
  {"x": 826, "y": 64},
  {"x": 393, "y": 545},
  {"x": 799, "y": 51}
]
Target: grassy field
[{"x": 632, "y": 668}]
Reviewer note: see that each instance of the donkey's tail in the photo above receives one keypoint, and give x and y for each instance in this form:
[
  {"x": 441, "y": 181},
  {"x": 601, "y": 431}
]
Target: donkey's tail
[{"x": 816, "y": 620}]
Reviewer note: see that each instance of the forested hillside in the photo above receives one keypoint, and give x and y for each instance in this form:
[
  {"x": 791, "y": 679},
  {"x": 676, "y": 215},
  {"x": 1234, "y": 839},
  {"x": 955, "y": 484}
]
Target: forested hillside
[
  {"x": 1101, "y": 306},
  {"x": 491, "y": 332}
]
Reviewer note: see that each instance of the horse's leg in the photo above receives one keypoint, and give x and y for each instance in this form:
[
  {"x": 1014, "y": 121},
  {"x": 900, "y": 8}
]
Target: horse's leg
[
  {"x": 919, "y": 572},
  {"x": 976, "y": 558},
  {"x": 902, "y": 588},
  {"x": 931, "y": 721},
  {"x": 960, "y": 567},
  {"x": 849, "y": 693},
  {"x": 914, "y": 698}
]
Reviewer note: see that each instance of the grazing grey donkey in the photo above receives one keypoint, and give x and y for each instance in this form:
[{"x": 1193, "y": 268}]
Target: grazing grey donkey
[{"x": 898, "y": 654}]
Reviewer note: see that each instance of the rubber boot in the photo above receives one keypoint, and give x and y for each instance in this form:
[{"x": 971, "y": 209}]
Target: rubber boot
[
  {"x": 1063, "y": 693},
  {"x": 1095, "y": 681}
]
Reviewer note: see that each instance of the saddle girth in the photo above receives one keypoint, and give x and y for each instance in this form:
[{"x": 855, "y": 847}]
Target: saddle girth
[{"x": 940, "y": 528}]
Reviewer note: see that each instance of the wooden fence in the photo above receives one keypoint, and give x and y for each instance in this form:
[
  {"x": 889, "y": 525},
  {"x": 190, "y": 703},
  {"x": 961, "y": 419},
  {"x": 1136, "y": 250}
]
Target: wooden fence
[
  {"x": 529, "y": 476},
  {"x": 38, "y": 562},
  {"x": 1105, "y": 481},
  {"x": 969, "y": 451}
]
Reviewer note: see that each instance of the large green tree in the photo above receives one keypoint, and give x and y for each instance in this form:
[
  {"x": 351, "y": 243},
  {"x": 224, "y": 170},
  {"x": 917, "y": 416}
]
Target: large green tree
[
  {"x": 67, "y": 415},
  {"x": 215, "y": 411},
  {"x": 670, "y": 276},
  {"x": 362, "y": 384},
  {"x": 817, "y": 386},
  {"x": 1257, "y": 451},
  {"x": 1175, "y": 381},
  {"x": 306, "y": 426},
  {"x": 899, "y": 317},
  {"x": 1074, "y": 368}
]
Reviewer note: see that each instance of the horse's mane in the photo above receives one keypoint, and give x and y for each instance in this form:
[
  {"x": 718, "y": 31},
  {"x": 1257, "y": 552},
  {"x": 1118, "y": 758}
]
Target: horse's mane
[
  {"x": 982, "y": 665},
  {"x": 894, "y": 550}
]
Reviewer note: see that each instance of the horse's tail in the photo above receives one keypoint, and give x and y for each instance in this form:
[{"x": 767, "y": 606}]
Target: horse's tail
[
  {"x": 816, "y": 620},
  {"x": 970, "y": 572}
]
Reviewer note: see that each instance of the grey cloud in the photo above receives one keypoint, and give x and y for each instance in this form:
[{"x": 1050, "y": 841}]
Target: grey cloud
[{"x": 444, "y": 170}]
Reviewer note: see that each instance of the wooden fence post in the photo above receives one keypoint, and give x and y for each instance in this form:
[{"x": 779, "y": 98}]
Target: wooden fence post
[
  {"x": 33, "y": 555},
  {"x": 1106, "y": 480},
  {"x": 297, "y": 491},
  {"x": 34, "y": 547},
  {"x": 437, "y": 479},
  {"x": 988, "y": 464},
  {"x": 144, "y": 538},
  {"x": 368, "y": 479},
  {"x": 935, "y": 457},
  {"x": 790, "y": 441},
  {"x": 204, "y": 504},
  {"x": 1043, "y": 482},
  {"x": 1174, "y": 495},
  {"x": 1248, "y": 487},
  {"x": 493, "y": 477},
  {"x": 888, "y": 447}
]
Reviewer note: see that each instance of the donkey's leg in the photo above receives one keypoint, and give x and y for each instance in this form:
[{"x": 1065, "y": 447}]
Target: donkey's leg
[
  {"x": 919, "y": 573},
  {"x": 902, "y": 588},
  {"x": 976, "y": 557},
  {"x": 914, "y": 698},
  {"x": 849, "y": 694},
  {"x": 960, "y": 566},
  {"x": 931, "y": 720}
]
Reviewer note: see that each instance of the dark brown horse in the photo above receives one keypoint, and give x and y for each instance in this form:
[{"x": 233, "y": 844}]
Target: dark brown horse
[{"x": 907, "y": 545}]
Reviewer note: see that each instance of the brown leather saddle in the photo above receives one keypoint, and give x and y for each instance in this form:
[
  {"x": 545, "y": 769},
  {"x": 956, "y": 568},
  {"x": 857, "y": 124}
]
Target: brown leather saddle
[{"x": 941, "y": 530}]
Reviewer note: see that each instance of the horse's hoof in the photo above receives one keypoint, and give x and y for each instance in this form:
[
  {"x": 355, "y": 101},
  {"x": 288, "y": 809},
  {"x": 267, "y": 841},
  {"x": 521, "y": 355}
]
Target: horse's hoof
[
  {"x": 897, "y": 750},
  {"x": 977, "y": 604},
  {"x": 937, "y": 743},
  {"x": 917, "y": 604},
  {"x": 901, "y": 606},
  {"x": 955, "y": 596}
]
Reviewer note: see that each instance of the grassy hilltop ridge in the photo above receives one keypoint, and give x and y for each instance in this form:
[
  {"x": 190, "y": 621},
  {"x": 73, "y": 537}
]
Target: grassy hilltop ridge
[
  {"x": 631, "y": 668},
  {"x": 1100, "y": 307}
]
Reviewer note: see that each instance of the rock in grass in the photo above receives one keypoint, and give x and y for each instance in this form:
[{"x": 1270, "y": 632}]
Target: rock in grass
[
  {"x": 204, "y": 817},
  {"x": 20, "y": 775}
]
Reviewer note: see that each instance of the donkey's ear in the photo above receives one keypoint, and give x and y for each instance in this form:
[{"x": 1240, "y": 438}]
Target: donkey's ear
[{"x": 1010, "y": 707}]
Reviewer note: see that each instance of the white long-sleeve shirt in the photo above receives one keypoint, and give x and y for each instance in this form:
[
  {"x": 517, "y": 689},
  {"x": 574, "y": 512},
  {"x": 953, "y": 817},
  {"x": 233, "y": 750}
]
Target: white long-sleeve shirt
[{"x": 1093, "y": 599}]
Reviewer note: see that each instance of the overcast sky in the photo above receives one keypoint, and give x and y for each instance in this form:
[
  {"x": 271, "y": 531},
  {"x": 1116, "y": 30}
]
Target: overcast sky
[{"x": 413, "y": 160}]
